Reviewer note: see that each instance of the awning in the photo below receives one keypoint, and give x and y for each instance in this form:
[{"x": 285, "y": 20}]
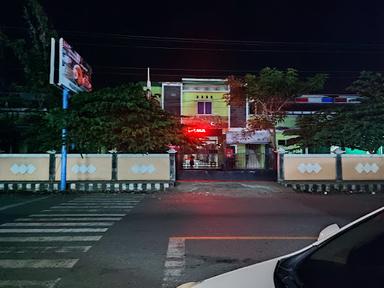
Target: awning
[{"x": 245, "y": 137}]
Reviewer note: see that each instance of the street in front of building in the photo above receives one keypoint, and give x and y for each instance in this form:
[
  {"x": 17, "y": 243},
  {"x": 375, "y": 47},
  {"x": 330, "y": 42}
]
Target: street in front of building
[{"x": 193, "y": 232}]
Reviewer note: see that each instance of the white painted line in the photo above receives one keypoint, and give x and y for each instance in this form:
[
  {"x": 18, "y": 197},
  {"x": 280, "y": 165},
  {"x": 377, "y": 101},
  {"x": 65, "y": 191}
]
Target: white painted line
[
  {"x": 21, "y": 203},
  {"x": 175, "y": 262},
  {"x": 79, "y": 215},
  {"x": 43, "y": 249},
  {"x": 51, "y": 239},
  {"x": 37, "y": 224},
  {"x": 97, "y": 204},
  {"x": 37, "y": 263},
  {"x": 28, "y": 283},
  {"x": 82, "y": 210},
  {"x": 64, "y": 230},
  {"x": 102, "y": 201},
  {"x": 69, "y": 219},
  {"x": 88, "y": 207}
]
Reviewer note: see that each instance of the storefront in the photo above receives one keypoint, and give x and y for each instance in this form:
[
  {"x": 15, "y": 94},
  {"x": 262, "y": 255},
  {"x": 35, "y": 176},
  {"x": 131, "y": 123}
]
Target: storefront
[
  {"x": 208, "y": 154},
  {"x": 248, "y": 150}
]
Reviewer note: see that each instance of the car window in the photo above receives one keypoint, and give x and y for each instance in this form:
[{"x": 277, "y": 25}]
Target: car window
[{"x": 353, "y": 259}]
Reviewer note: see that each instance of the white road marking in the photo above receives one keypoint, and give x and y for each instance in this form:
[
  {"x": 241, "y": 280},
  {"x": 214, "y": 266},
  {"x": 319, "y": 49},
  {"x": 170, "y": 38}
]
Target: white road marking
[
  {"x": 64, "y": 230},
  {"x": 43, "y": 249},
  {"x": 101, "y": 201},
  {"x": 81, "y": 210},
  {"x": 51, "y": 239},
  {"x": 87, "y": 207},
  {"x": 70, "y": 219},
  {"x": 77, "y": 215},
  {"x": 37, "y": 224},
  {"x": 37, "y": 263},
  {"x": 21, "y": 203},
  {"x": 175, "y": 262},
  {"x": 28, "y": 283}
]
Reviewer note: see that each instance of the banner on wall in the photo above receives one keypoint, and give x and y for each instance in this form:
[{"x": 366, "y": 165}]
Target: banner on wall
[{"x": 242, "y": 137}]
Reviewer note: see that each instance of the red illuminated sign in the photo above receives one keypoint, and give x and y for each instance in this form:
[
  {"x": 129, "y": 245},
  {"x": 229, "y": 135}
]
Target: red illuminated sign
[{"x": 196, "y": 130}]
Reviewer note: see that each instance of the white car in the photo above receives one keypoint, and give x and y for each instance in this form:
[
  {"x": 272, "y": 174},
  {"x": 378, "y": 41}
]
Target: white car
[{"x": 350, "y": 257}]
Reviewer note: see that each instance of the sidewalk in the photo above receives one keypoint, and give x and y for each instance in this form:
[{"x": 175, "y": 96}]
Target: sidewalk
[{"x": 230, "y": 188}]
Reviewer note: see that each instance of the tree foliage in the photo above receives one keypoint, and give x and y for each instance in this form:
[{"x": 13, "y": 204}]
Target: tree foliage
[
  {"x": 120, "y": 118},
  {"x": 33, "y": 50},
  {"x": 270, "y": 91},
  {"x": 356, "y": 126}
]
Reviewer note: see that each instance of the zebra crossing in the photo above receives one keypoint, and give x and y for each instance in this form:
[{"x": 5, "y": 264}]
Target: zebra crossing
[{"x": 54, "y": 239}]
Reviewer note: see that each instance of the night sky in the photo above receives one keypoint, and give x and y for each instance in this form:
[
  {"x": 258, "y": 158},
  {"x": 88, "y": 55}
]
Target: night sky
[{"x": 179, "y": 39}]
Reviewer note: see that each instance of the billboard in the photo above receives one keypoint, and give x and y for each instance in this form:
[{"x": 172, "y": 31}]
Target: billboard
[{"x": 74, "y": 73}]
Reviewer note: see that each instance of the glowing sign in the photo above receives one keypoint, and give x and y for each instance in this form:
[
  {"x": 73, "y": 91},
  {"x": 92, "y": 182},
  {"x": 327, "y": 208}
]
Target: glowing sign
[{"x": 196, "y": 130}]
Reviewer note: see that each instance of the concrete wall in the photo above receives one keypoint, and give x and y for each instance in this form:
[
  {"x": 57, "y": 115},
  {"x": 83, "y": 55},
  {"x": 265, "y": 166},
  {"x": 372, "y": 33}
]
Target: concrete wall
[
  {"x": 24, "y": 167},
  {"x": 92, "y": 172},
  {"x": 89, "y": 168},
  {"x": 363, "y": 167},
  {"x": 328, "y": 167},
  {"x": 309, "y": 167},
  {"x": 143, "y": 167}
]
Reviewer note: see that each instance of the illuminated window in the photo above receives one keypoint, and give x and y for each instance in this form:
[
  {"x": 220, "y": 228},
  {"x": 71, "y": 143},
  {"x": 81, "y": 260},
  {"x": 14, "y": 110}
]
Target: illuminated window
[{"x": 204, "y": 107}]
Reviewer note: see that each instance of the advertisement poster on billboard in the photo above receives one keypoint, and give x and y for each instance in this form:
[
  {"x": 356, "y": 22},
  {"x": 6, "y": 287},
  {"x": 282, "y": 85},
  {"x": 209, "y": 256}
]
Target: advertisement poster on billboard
[{"x": 74, "y": 73}]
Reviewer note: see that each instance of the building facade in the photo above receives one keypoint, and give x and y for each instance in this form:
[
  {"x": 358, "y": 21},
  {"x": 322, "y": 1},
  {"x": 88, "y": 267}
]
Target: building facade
[
  {"x": 202, "y": 108},
  {"x": 227, "y": 144}
]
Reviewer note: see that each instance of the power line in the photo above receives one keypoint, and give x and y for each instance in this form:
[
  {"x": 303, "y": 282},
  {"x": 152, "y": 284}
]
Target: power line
[
  {"x": 195, "y": 40},
  {"x": 201, "y": 49},
  {"x": 225, "y": 70}
]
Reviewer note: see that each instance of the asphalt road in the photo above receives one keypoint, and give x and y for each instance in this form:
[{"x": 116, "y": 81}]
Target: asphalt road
[{"x": 163, "y": 239}]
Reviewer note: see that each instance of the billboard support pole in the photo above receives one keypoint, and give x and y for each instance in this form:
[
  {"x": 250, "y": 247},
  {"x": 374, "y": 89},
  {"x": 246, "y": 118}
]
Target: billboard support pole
[{"x": 63, "y": 179}]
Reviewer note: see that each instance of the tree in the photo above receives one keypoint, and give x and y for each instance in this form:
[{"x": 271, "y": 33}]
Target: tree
[
  {"x": 357, "y": 126},
  {"x": 120, "y": 118},
  {"x": 33, "y": 50},
  {"x": 305, "y": 131},
  {"x": 33, "y": 54},
  {"x": 270, "y": 91}
]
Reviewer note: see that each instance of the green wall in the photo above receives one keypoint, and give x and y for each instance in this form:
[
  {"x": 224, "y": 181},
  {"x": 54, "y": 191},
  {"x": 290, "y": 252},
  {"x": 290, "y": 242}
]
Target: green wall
[{"x": 219, "y": 106}]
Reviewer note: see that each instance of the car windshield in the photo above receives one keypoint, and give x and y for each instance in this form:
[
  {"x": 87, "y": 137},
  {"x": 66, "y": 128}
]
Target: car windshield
[{"x": 355, "y": 258}]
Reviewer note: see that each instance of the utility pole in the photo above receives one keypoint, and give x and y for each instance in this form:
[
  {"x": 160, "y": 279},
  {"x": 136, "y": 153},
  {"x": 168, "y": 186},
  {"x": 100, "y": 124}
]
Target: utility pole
[{"x": 63, "y": 179}]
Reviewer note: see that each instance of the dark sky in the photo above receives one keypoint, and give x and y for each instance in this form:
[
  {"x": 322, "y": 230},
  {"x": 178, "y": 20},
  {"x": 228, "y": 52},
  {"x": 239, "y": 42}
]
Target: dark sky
[{"x": 216, "y": 38}]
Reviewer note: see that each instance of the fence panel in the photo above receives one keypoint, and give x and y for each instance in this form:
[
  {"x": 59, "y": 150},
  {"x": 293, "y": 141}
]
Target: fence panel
[
  {"x": 143, "y": 167},
  {"x": 90, "y": 167},
  {"x": 309, "y": 167},
  {"x": 363, "y": 167},
  {"x": 24, "y": 167}
]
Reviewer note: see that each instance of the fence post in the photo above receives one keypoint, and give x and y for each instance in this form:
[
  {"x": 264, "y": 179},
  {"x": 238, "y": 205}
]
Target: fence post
[
  {"x": 114, "y": 166},
  {"x": 280, "y": 165},
  {"x": 172, "y": 164},
  {"x": 339, "y": 169},
  {"x": 52, "y": 165}
]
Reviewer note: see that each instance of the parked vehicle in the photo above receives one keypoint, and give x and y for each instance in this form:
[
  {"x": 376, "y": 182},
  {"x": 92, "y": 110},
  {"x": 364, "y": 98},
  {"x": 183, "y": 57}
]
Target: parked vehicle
[{"x": 351, "y": 256}]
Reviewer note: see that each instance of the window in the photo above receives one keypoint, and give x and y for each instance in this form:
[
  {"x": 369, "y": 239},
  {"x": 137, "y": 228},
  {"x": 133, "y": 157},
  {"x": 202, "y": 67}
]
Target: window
[
  {"x": 204, "y": 107},
  {"x": 254, "y": 108}
]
